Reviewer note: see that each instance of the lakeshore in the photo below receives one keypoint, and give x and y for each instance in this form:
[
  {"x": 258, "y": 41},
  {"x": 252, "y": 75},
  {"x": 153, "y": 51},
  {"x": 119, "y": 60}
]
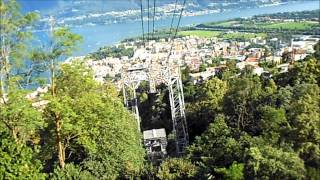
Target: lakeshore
[{"x": 96, "y": 36}]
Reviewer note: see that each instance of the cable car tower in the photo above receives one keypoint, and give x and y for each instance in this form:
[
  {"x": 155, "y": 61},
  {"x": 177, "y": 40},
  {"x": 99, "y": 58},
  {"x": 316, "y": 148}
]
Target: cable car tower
[{"x": 169, "y": 75}]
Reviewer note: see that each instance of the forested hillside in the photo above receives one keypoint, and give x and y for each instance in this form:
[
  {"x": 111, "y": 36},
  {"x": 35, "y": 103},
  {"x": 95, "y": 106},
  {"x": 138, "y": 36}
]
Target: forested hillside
[
  {"x": 242, "y": 126},
  {"x": 247, "y": 127}
]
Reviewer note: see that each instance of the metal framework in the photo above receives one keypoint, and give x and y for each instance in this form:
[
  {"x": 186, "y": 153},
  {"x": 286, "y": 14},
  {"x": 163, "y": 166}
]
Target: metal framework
[
  {"x": 131, "y": 79},
  {"x": 170, "y": 76},
  {"x": 178, "y": 113}
]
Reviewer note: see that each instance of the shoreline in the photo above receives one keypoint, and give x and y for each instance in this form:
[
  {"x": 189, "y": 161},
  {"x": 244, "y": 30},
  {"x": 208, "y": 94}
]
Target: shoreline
[{"x": 105, "y": 35}]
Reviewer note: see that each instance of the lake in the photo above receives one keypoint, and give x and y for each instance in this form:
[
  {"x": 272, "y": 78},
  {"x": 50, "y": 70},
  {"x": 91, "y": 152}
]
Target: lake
[{"x": 102, "y": 35}]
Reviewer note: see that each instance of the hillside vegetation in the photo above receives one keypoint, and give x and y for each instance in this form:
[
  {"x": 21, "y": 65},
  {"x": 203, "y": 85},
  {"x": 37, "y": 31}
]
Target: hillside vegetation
[{"x": 241, "y": 126}]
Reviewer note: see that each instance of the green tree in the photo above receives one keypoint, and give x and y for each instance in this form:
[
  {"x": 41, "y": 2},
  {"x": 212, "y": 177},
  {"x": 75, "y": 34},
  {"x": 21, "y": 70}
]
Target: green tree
[
  {"x": 266, "y": 162},
  {"x": 117, "y": 52},
  {"x": 177, "y": 168},
  {"x": 234, "y": 172},
  {"x": 304, "y": 119},
  {"x": 189, "y": 91},
  {"x": 240, "y": 103},
  {"x": 302, "y": 72},
  {"x": 231, "y": 70},
  {"x": 211, "y": 93},
  {"x": 62, "y": 43},
  {"x": 209, "y": 101},
  {"x": 216, "y": 61},
  {"x": 216, "y": 148},
  {"x": 247, "y": 71},
  {"x": 306, "y": 72},
  {"x": 185, "y": 73},
  {"x": 273, "y": 123},
  {"x": 13, "y": 37},
  {"x": 19, "y": 117},
  {"x": 202, "y": 67},
  {"x": 269, "y": 93},
  {"x": 17, "y": 161},
  {"x": 71, "y": 171},
  {"x": 96, "y": 129},
  {"x": 283, "y": 97}
]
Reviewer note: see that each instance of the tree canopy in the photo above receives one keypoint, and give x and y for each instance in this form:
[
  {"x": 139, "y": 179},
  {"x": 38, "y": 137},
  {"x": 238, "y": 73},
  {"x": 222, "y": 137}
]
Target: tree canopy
[{"x": 241, "y": 126}]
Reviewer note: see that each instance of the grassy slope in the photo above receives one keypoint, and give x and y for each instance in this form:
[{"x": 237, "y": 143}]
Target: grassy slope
[
  {"x": 209, "y": 34},
  {"x": 203, "y": 34},
  {"x": 267, "y": 25},
  {"x": 289, "y": 25}
]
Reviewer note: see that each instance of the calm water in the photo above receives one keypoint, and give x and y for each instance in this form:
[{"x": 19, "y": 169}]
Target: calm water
[{"x": 101, "y": 35}]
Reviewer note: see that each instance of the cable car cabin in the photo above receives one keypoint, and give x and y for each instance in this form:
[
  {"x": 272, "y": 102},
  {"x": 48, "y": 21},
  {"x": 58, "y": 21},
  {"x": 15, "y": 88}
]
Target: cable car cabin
[{"x": 155, "y": 142}]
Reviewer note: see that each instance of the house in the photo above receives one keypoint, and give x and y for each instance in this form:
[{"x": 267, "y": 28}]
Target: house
[
  {"x": 299, "y": 54},
  {"x": 203, "y": 76},
  {"x": 257, "y": 70},
  {"x": 304, "y": 42},
  {"x": 252, "y": 60},
  {"x": 274, "y": 59}
]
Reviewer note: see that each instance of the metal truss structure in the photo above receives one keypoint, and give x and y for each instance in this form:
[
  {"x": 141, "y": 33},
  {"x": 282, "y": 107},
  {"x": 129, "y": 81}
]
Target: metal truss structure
[
  {"x": 170, "y": 76},
  {"x": 178, "y": 113},
  {"x": 131, "y": 80}
]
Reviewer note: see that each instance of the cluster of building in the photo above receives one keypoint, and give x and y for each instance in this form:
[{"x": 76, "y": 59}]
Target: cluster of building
[{"x": 192, "y": 52}]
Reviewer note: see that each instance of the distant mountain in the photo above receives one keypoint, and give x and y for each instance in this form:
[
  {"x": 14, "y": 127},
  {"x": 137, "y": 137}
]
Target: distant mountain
[
  {"x": 94, "y": 12},
  {"x": 115, "y": 5}
]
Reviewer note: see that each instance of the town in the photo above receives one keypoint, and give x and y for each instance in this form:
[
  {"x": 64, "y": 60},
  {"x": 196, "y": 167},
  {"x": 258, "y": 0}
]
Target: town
[{"x": 206, "y": 57}]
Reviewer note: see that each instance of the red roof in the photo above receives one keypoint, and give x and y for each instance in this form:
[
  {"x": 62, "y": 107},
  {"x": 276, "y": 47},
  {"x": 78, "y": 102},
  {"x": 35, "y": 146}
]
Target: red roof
[{"x": 251, "y": 59}]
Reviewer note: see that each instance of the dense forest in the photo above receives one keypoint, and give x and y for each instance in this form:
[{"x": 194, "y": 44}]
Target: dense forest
[{"x": 241, "y": 127}]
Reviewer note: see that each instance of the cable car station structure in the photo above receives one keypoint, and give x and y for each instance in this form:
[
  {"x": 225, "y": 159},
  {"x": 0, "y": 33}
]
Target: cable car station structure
[{"x": 169, "y": 75}]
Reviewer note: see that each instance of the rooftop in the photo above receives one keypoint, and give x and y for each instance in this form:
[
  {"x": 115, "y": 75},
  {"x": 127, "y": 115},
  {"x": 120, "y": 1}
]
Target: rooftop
[{"x": 154, "y": 133}]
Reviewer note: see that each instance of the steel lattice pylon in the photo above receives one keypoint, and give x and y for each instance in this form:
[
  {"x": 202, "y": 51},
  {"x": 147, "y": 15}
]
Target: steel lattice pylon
[
  {"x": 131, "y": 80},
  {"x": 178, "y": 114},
  {"x": 169, "y": 75}
]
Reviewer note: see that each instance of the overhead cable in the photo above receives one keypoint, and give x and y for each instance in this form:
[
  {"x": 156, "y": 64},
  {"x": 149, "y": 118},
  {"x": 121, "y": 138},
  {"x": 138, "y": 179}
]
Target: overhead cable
[{"x": 142, "y": 24}]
